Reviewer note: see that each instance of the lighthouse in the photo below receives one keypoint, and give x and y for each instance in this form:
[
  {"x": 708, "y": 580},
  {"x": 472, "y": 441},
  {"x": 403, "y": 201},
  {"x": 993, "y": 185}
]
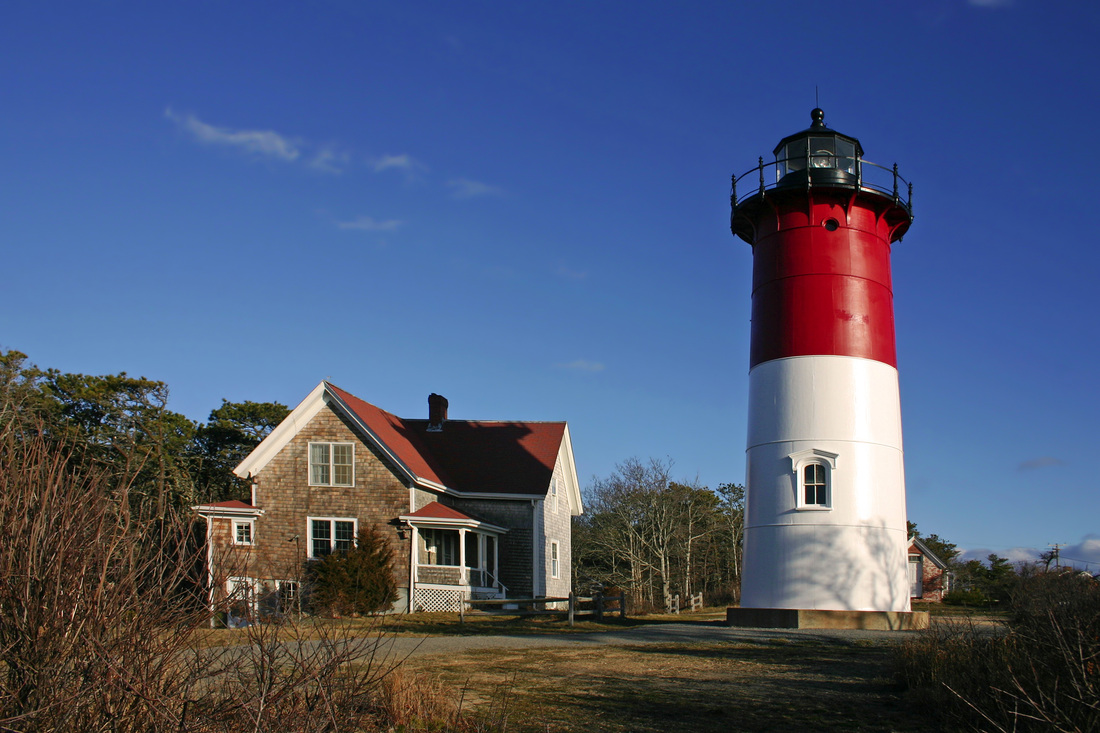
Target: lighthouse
[{"x": 825, "y": 526}]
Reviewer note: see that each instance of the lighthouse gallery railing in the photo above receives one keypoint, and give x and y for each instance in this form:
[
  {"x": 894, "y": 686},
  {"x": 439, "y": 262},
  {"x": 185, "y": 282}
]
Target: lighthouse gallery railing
[{"x": 881, "y": 180}]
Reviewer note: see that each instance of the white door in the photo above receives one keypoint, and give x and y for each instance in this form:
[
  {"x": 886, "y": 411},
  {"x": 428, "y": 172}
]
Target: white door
[{"x": 916, "y": 576}]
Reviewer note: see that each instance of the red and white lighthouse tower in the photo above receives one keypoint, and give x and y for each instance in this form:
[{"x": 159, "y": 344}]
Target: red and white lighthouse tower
[{"x": 825, "y": 515}]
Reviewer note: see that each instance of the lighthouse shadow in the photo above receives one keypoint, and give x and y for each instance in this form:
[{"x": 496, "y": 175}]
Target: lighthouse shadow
[{"x": 867, "y": 572}]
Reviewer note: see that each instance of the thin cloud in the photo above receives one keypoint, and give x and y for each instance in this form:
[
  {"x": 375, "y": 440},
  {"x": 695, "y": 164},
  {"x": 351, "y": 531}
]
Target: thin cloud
[
  {"x": 328, "y": 160},
  {"x": 1013, "y": 554},
  {"x": 267, "y": 143},
  {"x": 368, "y": 224},
  {"x": 582, "y": 365},
  {"x": 568, "y": 274},
  {"x": 464, "y": 188},
  {"x": 1040, "y": 462},
  {"x": 403, "y": 162}
]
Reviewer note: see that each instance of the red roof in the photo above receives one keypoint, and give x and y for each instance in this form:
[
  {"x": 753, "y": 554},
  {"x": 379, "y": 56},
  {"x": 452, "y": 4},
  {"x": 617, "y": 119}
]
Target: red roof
[
  {"x": 435, "y": 510},
  {"x": 231, "y": 504},
  {"x": 473, "y": 456}
]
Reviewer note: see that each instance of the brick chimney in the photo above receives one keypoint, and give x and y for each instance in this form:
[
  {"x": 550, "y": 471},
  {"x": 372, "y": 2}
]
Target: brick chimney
[{"x": 437, "y": 412}]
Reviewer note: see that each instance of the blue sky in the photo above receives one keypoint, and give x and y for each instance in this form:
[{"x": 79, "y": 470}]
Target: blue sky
[{"x": 524, "y": 207}]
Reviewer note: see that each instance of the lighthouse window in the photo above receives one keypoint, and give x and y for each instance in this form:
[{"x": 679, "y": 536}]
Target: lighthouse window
[
  {"x": 822, "y": 155},
  {"x": 846, "y": 156},
  {"x": 794, "y": 157},
  {"x": 813, "y": 472},
  {"x": 816, "y": 493}
]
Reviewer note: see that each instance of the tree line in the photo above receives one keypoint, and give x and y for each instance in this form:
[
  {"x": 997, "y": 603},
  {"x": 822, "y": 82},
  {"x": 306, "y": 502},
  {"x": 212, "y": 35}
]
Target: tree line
[
  {"x": 653, "y": 537},
  {"x": 122, "y": 424}
]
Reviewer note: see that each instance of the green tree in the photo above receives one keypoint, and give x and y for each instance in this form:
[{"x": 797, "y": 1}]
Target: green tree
[
  {"x": 992, "y": 580},
  {"x": 941, "y": 548},
  {"x": 122, "y": 424},
  {"x": 21, "y": 399},
  {"x": 229, "y": 435},
  {"x": 359, "y": 581}
]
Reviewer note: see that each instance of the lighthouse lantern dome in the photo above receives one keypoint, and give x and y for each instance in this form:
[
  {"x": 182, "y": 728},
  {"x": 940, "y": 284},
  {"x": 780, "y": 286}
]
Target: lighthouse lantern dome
[{"x": 817, "y": 155}]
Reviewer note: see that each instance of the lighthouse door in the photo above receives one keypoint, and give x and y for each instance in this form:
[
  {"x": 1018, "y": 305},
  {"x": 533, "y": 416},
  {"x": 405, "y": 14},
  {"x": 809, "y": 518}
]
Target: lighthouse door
[{"x": 916, "y": 576}]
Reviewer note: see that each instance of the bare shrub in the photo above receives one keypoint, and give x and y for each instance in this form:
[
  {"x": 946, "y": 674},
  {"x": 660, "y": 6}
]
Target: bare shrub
[
  {"x": 1040, "y": 672},
  {"x": 103, "y": 627},
  {"x": 290, "y": 677},
  {"x": 92, "y": 597}
]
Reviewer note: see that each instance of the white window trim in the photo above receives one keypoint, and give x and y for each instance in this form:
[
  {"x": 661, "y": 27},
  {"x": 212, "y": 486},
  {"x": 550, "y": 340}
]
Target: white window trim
[
  {"x": 332, "y": 533},
  {"x": 804, "y": 458},
  {"x": 251, "y": 524},
  {"x": 331, "y": 465},
  {"x": 555, "y": 559}
]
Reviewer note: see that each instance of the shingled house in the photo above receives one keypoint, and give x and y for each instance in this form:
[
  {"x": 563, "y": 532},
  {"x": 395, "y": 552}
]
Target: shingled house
[
  {"x": 929, "y": 576},
  {"x": 470, "y": 507}
]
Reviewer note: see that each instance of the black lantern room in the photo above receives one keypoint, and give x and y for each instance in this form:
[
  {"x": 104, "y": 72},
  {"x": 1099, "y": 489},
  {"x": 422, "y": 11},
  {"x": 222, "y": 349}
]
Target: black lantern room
[
  {"x": 818, "y": 154},
  {"x": 821, "y": 160}
]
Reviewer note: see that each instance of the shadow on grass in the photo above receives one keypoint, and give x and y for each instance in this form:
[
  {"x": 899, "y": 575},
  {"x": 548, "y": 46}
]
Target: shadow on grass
[{"x": 703, "y": 687}]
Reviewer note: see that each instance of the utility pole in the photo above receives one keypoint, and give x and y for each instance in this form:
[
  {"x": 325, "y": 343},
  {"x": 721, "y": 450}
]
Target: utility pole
[{"x": 1054, "y": 549}]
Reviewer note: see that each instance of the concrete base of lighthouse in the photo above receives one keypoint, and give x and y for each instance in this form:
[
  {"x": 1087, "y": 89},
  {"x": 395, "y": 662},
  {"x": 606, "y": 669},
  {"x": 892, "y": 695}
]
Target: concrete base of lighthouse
[{"x": 790, "y": 618}]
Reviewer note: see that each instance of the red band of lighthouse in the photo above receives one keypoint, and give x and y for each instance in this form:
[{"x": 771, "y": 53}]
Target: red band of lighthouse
[{"x": 822, "y": 287}]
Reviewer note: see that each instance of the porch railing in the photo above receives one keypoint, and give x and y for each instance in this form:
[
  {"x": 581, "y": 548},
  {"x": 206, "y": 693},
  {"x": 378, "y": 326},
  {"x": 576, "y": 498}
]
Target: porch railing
[{"x": 453, "y": 575}]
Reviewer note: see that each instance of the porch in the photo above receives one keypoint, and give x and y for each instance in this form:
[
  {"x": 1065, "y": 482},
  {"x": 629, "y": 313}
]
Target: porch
[{"x": 455, "y": 559}]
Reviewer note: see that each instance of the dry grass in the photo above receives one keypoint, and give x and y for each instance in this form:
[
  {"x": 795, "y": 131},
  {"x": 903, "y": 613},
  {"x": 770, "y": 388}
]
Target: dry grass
[
  {"x": 720, "y": 686},
  {"x": 1039, "y": 669}
]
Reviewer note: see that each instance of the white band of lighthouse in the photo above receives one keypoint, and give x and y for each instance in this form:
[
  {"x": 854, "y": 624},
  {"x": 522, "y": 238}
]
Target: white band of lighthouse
[{"x": 844, "y": 553}]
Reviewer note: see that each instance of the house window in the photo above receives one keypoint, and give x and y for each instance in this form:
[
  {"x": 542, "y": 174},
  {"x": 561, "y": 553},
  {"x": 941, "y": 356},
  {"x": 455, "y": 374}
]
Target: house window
[
  {"x": 329, "y": 535},
  {"x": 288, "y": 598},
  {"x": 331, "y": 464},
  {"x": 554, "y": 565},
  {"x": 242, "y": 532},
  {"x": 813, "y": 476},
  {"x": 554, "y": 492}
]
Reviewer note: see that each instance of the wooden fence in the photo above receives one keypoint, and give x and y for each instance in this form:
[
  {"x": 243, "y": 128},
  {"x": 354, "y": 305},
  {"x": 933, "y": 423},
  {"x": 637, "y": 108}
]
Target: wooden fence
[
  {"x": 672, "y": 603},
  {"x": 601, "y": 605}
]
